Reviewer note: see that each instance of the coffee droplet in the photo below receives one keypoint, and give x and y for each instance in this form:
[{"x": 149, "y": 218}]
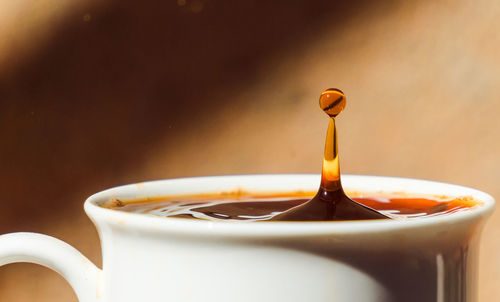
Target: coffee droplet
[
  {"x": 330, "y": 203},
  {"x": 332, "y": 101}
]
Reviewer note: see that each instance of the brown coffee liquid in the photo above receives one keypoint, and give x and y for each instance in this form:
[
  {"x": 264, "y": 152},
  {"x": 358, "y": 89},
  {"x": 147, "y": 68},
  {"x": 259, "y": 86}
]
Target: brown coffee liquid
[
  {"x": 243, "y": 207},
  {"x": 330, "y": 203}
]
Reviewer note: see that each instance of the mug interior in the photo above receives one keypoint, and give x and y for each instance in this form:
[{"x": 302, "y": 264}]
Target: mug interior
[{"x": 279, "y": 184}]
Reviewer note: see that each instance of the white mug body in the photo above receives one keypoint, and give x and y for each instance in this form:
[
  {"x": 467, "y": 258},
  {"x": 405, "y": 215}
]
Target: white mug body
[{"x": 148, "y": 258}]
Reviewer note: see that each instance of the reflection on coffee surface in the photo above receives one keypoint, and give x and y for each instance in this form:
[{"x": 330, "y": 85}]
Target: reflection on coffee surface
[
  {"x": 254, "y": 208},
  {"x": 330, "y": 203}
]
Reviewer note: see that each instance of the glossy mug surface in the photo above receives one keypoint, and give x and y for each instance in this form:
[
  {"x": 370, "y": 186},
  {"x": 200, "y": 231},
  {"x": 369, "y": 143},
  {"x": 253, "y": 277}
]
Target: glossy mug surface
[{"x": 148, "y": 258}]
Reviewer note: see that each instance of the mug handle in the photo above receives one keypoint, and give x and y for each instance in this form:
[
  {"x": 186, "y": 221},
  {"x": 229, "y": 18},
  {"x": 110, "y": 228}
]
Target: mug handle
[{"x": 83, "y": 276}]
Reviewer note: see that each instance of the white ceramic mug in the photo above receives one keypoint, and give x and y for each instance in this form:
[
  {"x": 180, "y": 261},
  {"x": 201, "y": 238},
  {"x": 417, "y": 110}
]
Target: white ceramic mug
[{"x": 148, "y": 258}]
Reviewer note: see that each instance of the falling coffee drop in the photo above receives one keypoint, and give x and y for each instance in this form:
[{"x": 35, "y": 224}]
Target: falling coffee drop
[{"x": 330, "y": 203}]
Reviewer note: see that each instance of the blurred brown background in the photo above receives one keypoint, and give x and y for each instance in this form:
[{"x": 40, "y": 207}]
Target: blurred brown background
[{"x": 95, "y": 94}]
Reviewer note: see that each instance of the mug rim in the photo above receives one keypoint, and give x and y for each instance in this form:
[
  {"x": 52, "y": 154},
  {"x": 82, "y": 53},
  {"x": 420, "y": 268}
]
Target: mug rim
[{"x": 260, "y": 183}]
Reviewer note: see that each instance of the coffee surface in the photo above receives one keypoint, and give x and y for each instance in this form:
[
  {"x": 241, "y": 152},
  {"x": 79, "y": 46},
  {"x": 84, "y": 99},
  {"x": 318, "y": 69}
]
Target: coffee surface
[{"x": 265, "y": 208}]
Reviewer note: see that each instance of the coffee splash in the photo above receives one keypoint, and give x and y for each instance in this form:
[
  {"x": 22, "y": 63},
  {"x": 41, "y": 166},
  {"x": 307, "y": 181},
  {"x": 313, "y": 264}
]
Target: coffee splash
[{"x": 330, "y": 203}]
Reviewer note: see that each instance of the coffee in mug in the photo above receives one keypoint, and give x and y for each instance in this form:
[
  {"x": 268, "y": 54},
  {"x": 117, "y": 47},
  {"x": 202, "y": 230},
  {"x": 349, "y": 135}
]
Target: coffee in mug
[
  {"x": 243, "y": 206},
  {"x": 330, "y": 203}
]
